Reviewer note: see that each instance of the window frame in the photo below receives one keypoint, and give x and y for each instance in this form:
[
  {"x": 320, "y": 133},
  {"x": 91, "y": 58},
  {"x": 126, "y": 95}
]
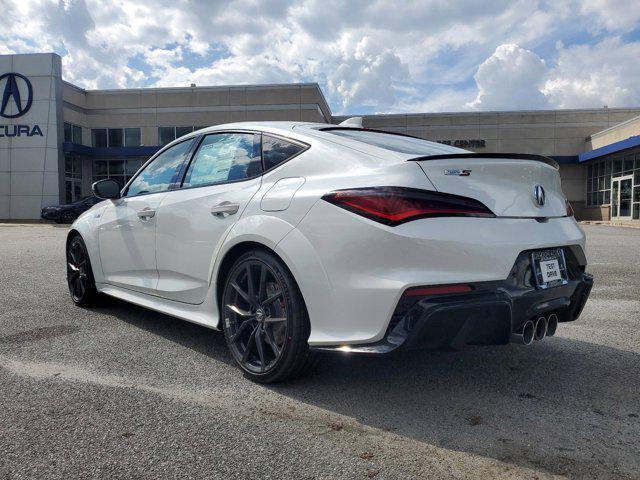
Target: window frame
[
  {"x": 194, "y": 128},
  {"x": 106, "y": 137},
  {"x": 257, "y": 136},
  {"x": 200, "y": 138},
  {"x": 123, "y": 131},
  {"x": 178, "y": 176},
  {"x": 73, "y": 129}
]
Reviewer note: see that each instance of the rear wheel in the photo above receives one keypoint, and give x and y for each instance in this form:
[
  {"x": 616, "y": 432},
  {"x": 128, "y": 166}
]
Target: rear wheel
[
  {"x": 265, "y": 321},
  {"x": 82, "y": 286}
]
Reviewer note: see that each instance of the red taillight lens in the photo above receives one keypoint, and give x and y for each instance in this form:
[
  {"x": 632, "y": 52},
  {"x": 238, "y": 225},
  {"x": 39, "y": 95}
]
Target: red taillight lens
[
  {"x": 569, "y": 209},
  {"x": 395, "y": 205}
]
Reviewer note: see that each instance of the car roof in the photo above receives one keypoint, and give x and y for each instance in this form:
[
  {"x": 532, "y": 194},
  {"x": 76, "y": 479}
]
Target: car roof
[
  {"x": 283, "y": 128},
  {"x": 262, "y": 126}
]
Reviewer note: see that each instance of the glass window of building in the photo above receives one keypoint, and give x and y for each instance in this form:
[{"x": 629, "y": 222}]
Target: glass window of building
[
  {"x": 615, "y": 181},
  {"x": 116, "y": 137},
  {"x": 119, "y": 170},
  {"x": 72, "y": 133},
  {"x": 99, "y": 137},
  {"x": 182, "y": 131},
  {"x": 72, "y": 178},
  {"x": 167, "y": 135},
  {"x": 132, "y": 137}
]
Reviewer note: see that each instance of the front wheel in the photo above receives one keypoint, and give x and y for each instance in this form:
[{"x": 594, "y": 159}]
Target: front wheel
[
  {"x": 264, "y": 318},
  {"x": 68, "y": 217},
  {"x": 82, "y": 286}
]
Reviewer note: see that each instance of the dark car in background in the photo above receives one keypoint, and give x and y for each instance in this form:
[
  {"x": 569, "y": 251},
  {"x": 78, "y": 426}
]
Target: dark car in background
[{"x": 68, "y": 213}]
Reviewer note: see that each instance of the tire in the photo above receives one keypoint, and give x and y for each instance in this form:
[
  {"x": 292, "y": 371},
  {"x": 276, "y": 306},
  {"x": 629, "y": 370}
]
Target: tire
[
  {"x": 265, "y": 323},
  {"x": 82, "y": 285},
  {"x": 68, "y": 217}
]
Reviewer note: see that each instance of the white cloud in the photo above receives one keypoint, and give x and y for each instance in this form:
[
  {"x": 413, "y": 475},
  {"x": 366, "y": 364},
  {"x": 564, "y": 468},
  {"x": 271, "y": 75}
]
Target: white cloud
[
  {"x": 603, "y": 74},
  {"x": 613, "y": 15},
  {"x": 511, "y": 78},
  {"x": 583, "y": 76},
  {"x": 367, "y": 56},
  {"x": 365, "y": 73}
]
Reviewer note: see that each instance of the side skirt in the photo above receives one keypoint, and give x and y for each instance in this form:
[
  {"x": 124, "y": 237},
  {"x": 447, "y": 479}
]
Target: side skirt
[{"x": 205, "y": 314}]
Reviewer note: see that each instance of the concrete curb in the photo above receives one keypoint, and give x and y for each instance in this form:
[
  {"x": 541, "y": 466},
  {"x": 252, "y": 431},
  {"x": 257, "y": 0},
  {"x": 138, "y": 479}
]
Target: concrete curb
[{"x": 610, "y": 224}]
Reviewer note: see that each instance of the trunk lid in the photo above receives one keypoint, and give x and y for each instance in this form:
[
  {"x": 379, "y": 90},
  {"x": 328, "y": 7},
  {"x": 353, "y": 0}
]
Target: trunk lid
[{"x": 505, "y": 183}]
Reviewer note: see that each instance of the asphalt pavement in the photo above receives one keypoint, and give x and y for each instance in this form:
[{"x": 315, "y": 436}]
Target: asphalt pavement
[{"x": 122, "y": 392}]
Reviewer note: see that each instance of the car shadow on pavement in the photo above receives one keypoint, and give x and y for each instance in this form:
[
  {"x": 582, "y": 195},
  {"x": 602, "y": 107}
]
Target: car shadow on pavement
[{"x": 554, "y": 405}]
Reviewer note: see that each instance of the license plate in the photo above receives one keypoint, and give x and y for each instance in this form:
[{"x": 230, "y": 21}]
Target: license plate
[{"x": 549, "y": 268}]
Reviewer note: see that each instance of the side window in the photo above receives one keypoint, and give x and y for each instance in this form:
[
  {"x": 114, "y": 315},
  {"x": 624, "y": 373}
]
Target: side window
[
  {"x": 224, "y": 157},
  {"x": 157, "y": 176},
  {"x": 276, "y": 150}
]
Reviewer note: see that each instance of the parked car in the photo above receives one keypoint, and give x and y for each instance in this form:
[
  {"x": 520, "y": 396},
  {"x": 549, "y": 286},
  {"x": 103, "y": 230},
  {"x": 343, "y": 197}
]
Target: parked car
[
  {"x": 298, "y": 237},
  {"x": 68, "y": 213}
]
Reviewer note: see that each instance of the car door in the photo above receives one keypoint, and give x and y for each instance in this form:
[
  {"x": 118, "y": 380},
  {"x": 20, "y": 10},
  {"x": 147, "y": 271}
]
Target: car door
[
  {"x": 224, "y": 174},
  {"x": 127, "y": 230}
]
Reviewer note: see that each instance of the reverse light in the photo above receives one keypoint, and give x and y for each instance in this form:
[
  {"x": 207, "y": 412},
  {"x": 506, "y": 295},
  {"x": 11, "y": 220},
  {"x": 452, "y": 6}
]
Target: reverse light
[{"x": 396, "y": 205}]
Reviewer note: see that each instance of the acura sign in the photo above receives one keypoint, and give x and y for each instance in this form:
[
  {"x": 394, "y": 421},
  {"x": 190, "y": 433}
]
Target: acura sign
[
  {"x": 16, "y": 102},
  {"x": 12, "y": 92}
]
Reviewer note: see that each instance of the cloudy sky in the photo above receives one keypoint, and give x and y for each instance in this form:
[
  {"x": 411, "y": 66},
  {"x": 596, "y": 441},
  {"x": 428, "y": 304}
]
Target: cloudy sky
[{"x": 368, "y": 56}]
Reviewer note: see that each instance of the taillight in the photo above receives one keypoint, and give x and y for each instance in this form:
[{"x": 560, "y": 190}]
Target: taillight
[
  {"x": 395, "y": 205},
  {"x": 569, "y": 209}
]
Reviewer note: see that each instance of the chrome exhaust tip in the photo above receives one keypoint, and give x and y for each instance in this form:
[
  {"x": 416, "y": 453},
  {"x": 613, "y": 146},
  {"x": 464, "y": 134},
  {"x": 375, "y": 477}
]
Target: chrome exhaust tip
[
  {"x": 526, "y": 337},
  {"x": 541, "y": 328},
  {"x": 552, "y": 325}
]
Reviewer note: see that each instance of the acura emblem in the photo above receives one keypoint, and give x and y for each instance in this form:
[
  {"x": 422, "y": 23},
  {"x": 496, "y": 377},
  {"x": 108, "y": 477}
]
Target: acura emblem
[
  {"x": 12, "y": 82},
  {"x": 539, "y": 195}
]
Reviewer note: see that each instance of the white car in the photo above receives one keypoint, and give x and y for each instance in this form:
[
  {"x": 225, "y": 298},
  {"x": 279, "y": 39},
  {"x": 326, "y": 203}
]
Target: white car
[{"x": 295, "y": 237}]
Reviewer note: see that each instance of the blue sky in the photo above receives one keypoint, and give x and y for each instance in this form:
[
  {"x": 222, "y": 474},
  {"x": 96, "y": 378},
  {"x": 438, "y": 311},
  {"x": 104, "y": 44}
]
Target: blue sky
[{"x": 368, "y": 56}]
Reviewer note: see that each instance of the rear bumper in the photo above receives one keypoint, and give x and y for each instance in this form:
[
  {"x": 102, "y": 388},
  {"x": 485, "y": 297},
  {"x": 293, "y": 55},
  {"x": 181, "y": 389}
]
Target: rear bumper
[
  {"x": 50, "y": 215},
  {"x": 486, "y": 316}
]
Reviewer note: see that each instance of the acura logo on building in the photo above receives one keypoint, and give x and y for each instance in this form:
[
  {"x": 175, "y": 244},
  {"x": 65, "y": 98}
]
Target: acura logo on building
[
  {"x": 539, "y": 195},
  {"x": 11, "y": 95}
]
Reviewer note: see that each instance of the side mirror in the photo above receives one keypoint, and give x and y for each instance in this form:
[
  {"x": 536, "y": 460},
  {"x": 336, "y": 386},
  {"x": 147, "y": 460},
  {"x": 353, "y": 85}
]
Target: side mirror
[{"x": 106, "y": 189}]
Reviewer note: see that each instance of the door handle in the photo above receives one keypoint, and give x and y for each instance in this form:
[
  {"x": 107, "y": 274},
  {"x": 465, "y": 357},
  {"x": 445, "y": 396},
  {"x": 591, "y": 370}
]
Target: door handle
[
  {"x": 224, "y": 209},
  {"x": 146, "y": 213}
]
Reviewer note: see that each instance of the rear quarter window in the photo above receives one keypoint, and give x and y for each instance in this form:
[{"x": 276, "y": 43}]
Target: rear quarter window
[{"x": 277, "y": 150}]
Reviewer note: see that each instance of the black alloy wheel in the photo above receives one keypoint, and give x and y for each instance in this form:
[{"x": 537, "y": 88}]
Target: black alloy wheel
[
  {"x": 82, "y": 286},
  {"x": 68, "y": 217},
  {"x": 264, "y": 318}
]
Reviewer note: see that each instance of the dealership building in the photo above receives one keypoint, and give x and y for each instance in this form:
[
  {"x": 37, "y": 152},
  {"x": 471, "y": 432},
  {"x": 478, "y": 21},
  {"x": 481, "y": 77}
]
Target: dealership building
[{"x": 56, "y": 139}]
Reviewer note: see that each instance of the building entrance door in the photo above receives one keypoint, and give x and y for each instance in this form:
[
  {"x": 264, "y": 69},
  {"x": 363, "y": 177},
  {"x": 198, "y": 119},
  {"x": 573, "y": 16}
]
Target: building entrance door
[{"x": 621, "y": 197}]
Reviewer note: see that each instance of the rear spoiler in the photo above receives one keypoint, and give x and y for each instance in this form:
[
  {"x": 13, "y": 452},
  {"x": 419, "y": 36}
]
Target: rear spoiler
[{"x": 471, "y": 155}]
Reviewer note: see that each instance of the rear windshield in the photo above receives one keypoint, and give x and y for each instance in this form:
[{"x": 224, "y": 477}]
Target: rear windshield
[{"x": 393, "y": 142}]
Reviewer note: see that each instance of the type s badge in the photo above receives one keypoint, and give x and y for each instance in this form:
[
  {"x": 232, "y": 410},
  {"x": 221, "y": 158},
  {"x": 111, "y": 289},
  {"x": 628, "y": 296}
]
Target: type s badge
[{"x": 457, "y": 172}]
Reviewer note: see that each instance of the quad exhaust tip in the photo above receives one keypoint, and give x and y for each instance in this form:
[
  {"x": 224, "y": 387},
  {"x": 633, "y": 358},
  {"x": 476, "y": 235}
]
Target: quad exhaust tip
[
  {"x": 541, "y": 328},
  {"x": 527, "y": 335},
  {"x": 552, "y": 325}
]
